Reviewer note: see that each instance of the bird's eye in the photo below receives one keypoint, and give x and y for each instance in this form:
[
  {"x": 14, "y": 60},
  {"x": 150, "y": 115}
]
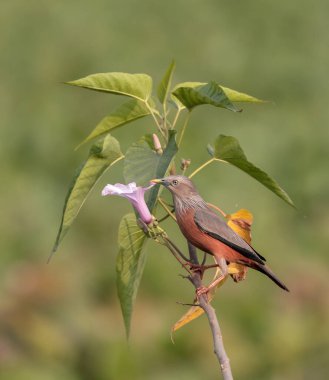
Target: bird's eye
[{"x": 175, "y": 182}]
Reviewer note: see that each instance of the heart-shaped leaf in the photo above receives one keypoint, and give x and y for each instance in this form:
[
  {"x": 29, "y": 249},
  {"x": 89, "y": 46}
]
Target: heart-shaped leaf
[
  {"x": 130, "y": 265},
  {"x": 103, "y": 154},
  {"x": 137, "y": 86},
  {"x": 228, "y": 149}
]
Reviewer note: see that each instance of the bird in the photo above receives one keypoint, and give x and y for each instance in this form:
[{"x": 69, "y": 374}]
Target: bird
[{"x": 204, "y": 229}]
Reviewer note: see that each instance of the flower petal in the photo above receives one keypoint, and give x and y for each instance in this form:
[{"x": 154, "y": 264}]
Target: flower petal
[
  {"x": 134, "y": 194},
  {"x": 119, "y": 189},
  {"x": 109, "y": 190}
]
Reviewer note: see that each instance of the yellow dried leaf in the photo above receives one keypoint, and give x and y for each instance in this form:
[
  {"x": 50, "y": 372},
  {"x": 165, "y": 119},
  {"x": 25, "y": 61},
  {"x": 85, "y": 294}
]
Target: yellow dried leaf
[
  {"x": 192, "y": 313},
  {"x": 234, "y": 268},
  {"x": 241, "y": 222},
  {"x": 195, "y": 311},
  {"x": 237, "y": 271}
]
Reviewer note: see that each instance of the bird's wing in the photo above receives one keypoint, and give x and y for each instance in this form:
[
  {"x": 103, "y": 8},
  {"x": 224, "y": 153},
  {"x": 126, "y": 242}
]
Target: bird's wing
[{"x": 212, "y": 225}]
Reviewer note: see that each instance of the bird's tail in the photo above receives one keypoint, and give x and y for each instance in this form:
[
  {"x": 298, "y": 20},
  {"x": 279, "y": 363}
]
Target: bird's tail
[{"x": 267, "y": 271}]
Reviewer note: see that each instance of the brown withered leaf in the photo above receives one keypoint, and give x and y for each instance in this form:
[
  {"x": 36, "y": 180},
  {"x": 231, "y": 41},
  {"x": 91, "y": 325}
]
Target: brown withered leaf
[{"x": 240, "y": 222}]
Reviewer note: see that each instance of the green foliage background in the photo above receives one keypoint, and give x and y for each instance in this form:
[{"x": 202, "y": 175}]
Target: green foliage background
[{"x": 63, "y": 319}]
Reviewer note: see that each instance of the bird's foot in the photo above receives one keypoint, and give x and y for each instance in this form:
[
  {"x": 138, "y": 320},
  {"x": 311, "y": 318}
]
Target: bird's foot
[
  {"x": 202, "y": 290},
  {"x": 197, "y": 268}
]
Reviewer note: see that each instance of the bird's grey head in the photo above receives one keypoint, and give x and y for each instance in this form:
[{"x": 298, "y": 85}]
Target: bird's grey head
[{"x": 183, "y": 190}]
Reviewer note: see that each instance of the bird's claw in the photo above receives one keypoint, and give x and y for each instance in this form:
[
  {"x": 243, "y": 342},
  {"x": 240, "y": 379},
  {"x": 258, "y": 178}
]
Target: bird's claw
[
  {"x": 202, "y": 290},
  {"x": 197, "y": 268}
]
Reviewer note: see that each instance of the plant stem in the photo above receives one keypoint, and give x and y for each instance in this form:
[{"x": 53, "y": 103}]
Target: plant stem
[
  {"x": 176, "y": 253},
  {"x": 167, "y": 209},
  {"x": 192, "y": 252},
  {"x": 176, "y": 117},
  {"x": 177, "y": 250},
  {"x": 183, "y": 129},
  {"x": 195, "y": 276},
  {"x": 219, "y": 349},
  {"x": 201, "y": 167},
  {"x": 167, "y": 122},
  {"x": 156, "y": 121}
]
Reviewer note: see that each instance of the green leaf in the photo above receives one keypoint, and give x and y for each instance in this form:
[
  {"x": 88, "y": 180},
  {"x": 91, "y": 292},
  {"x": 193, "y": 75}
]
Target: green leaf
[
  {"x": 132, "y": 110},
  {"x": 228, "y": 149},
  {"x": 142, "y": 164},
  {"x": 233, "y": 95},
  {"x": 209, "y": 93},
  {"x": 138, "y": 86},
  {"x": 184, "y": 84},
  {"x": 164, "y": 86},
  {"x": 103, "y": 154},
  {"x": 130, "y": 265},
  {"x": 236, "y": 96}
]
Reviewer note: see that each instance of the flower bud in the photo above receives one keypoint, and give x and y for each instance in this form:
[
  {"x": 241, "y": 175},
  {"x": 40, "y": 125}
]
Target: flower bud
[
  {"x": 157, "y": 144},
  {"x": 185, "y": 163}
]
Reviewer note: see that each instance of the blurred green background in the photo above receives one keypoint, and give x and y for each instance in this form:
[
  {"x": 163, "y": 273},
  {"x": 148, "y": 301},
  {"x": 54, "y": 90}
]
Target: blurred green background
[{"x": 63, "y": 320}]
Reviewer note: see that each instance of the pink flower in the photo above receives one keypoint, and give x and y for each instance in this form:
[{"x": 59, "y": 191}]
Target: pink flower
[{"x": 135, "y": 196}]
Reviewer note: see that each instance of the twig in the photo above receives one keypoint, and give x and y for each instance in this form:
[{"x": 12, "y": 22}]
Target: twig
[
  {"x": 174, "y": 246},
  {"x": 219, "y": 350},
  {"x": 204, "y": 259},
  {"x": 195, "y": 276},
  {"x": 176, "y": 254},
  {"x": 193, "y": 255}
]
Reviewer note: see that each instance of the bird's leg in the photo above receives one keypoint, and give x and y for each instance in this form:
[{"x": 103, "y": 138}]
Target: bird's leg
[{"x": 224, "y": 272}]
